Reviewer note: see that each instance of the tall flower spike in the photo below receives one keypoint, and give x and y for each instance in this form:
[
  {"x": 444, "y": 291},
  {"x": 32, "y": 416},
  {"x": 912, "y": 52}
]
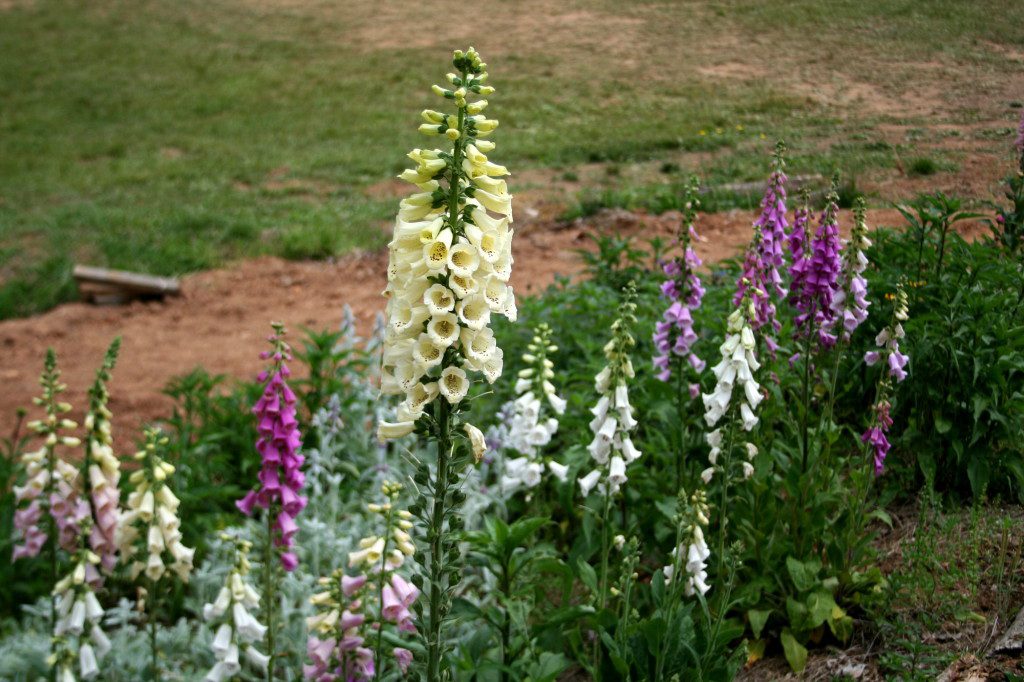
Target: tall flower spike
[
  {"x": 281, "y": 477},
  {"x": 850, "y": 303},
  {"x": 797, "y": 240},
  {"x": 765, "y": 255},
  {"x": 531, "y": 425},
  {"x": 673, "y": 335},
  {"x": 450, "y": 259},
  {"x": 815, "y": 278},
  {"x": 101, "y": 465},
  {"x": 612, "y": 449},
  {"x": 236, "y": 630},
  {"x": 149, "y": 534},
  {"x": 690, "y": 555},
  {"x": 80, "y": 640},
  {"x": 738, "y": 365},
  {"x": 895, "y": 363},
  {"x": 449, "y": 266},
  {"x": 51, "y": 493}
]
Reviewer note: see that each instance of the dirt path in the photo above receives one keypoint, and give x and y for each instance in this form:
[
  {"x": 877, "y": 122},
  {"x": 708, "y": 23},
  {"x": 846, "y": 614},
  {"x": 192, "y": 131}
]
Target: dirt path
[{"x": 223, "y": 316}]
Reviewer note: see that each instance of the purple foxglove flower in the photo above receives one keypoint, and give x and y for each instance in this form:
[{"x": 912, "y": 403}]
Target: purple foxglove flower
[
  {"x": 674, "y": 335},
  {"x": 765, "y": 255},
  {"x": 280, "y": 477},
  {"x": 815, "y": 279}
]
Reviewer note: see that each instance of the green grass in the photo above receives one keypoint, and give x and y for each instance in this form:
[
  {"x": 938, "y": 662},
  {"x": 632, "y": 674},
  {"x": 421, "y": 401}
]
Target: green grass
[{"x": 171, "y": 137}]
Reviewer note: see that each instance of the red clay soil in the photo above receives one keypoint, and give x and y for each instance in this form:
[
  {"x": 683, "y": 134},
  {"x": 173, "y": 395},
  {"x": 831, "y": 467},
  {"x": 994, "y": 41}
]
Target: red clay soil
[{"x": 221, "y": 320}]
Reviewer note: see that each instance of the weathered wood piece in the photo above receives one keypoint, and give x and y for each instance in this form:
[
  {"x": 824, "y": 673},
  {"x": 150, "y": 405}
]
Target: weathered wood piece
[{"x": 111, "y": 287}]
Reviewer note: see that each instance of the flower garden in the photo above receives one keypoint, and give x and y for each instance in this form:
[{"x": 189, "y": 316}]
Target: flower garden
[{"x": 665, "y": 470}]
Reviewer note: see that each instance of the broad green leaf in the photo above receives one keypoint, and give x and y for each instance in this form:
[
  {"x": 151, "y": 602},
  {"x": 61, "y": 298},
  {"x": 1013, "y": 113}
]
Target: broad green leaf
[
  {"x": 587, "y": 575},
  {"x": 758, "y": 619},
  {"x": 796, "y": 653}
]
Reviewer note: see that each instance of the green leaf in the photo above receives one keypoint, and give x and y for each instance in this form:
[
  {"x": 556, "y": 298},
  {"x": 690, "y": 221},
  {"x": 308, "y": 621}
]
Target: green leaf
[
  {"x": 658, "y": 587},
  {"x": 587, "y": 574},
  {"x": 882, "y": 516},
  {"x": 840, "y": 624},
  {"x": 804, "y": 574},
  {"x": 758, "y": 619},
  {"x": 796, "y": 653},
  {"x": 819, "y": 607},
  {"x": 978, "y": 473},
  {"x": 524, "y": 528},
  {"x": 942, "y": 425}
]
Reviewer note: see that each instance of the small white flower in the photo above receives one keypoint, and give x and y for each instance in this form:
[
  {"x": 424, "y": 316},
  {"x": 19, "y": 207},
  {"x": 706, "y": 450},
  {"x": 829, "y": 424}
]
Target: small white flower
[
  {"x": 707, "y": 474},
  {"x": 588, "y": 482},
  {"x": 453, "y": 384},
  {"x": 560, "y": 471}
]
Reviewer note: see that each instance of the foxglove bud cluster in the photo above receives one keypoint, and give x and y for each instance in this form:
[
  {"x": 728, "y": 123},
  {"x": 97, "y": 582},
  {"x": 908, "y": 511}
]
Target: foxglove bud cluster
[
  {"x": 79, "y": 637},
  {"x": 531, "y": 426},
  {"x": 674, "y": 335},
  {"x": 102, "y": 466},
  {"x": 764, "y": 257},
  {"x": 815, "y": 279},
  {"x": 51, "y": 485},
  {"x": 850, "y": 304},
  {"x": 689, "y": 558},
  {"x": 450, "y": 259},
  {"x": 612, "y": 449},
  {"x": 336, "y": 646},
  {"x": 281, "y": 477},
  {"x": 149, "y": 534},
  {"x": 236, "y": 630}
]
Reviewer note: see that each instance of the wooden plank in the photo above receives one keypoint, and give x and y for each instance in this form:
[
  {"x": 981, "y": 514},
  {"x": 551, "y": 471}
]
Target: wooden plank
[{"x": 129, "y": 282}]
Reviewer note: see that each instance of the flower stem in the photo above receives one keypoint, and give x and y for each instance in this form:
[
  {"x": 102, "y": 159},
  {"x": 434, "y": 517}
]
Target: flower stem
[
  {"x": 153, "y": 669},
  {"x": 378, "y": 665},
  {"x": 435, "y": 536},
  {"x": 268, "y": 590},
  {"x": 506, "y": 625},
  {"x": 51, "y": 531}
]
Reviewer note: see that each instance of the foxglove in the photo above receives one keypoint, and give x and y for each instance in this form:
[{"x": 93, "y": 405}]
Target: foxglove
[
  {"x": 236, "y": 630},
  {"x": 281, "y": 477},
  {"x": 534, "y": 417},
  {"x": 850, "y": 304},
  {"x": 149, "y": 535},
  {"x": 612, "y": 449},
  {"x": 690, "y": 555},
  {"x": 80, "y": 639},
  {"x": 102, "y": 466},
  {"x": 760, "y": 277},
  {"x": 674, "y": 335},
  {"x": 815, "y": 277},
  {"x": 894, "y": 363}
]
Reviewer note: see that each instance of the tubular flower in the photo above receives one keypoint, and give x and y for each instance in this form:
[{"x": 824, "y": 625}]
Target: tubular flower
[
  {"x": 690, "y": 555},
  {"x": 736, "y": 369},
  {"x": 148, "y": 533},
  {"x": 450, "y": 260},
  {"x": 281, "y": 477},
  {"x": 850, "y": 304},
  {"x": 612, "y": 450},
  {"x": 337, "y": 633},
  {"x": 797, "y": 240},
  {"x": 895, "y": 363},
  {"x": 815, "y": 279},
  {"x": 765, "y": 255},
  {"x": 673, "y": 335},
  {"x": 51, "y": 485},
  {"x": 236, "y": 630},
  {"x": 530, "y": 427},
  {"x": 77, "y": 632},
  {"x": 102, "y": 467}
]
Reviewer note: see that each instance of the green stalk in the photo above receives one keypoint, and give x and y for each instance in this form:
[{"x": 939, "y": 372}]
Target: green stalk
[
  {"x": 268, "y": 590},
  {"x": 51, "y": 532},
  {"x": 435, "y": 535},
  {"x": 726, "y": 473},
  {"x": 153, "y": 649},
  {"x": 506, "y": 625},
  {"x": 681, "y": 414},
  {"x": 380, "y": 597}
]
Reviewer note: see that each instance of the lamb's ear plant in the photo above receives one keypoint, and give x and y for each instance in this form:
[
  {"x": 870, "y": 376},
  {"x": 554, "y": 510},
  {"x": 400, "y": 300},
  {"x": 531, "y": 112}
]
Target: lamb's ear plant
[{"x": 450, "y": 261}]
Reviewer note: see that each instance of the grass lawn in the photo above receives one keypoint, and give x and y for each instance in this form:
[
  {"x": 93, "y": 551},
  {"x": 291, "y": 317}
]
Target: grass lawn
[{"x": 168, "y": 137}]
